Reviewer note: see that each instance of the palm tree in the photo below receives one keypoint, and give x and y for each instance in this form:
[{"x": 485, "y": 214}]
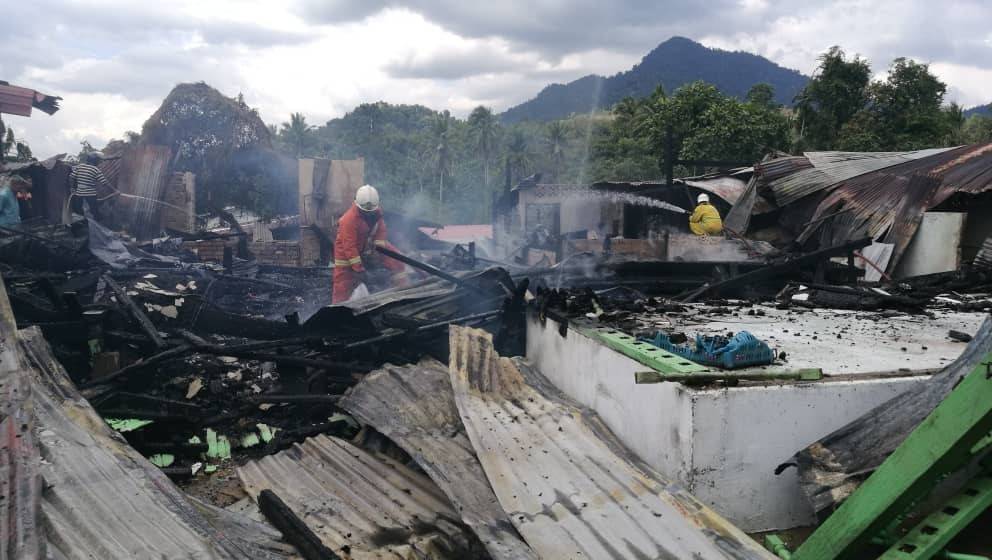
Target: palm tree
[
  {"x": 442, "y": 154},
  {"x": 556, "y": 137},
  {"x": 517, "y": 155},
  {"x": 297, "y": 132},
  {"x": 483, "y": 128}
]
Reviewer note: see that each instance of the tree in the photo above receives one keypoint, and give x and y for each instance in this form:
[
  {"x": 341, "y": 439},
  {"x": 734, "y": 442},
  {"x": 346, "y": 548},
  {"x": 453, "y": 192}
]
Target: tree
[
  {"x": 556, "y": 140},
  {"x": 483, "y": 128},
  {"x": 837, "y": 91},
  {"x": 903, "y": 112},
  {"x": 297, "y": 133},
  {"x": 442, "y": 154},
  {"x": 517, "y": 155},
  {"x": 12, "y": 149},
  {"x": 978, "y": 129},
  {"x": 762, "y": 95},
  {"x": 954, "y": 123}
]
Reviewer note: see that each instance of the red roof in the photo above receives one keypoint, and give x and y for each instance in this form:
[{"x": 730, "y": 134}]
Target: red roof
[{"x": 459, "y": 233}]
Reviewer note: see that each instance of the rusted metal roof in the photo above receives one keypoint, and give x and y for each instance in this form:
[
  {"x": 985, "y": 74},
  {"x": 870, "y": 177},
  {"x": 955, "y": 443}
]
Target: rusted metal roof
[
  {"x": 102, "y": 499},
  {"x": 868, "y": 204},
  {"x": 16, "y": 100},
  {"x": 360, "y": 504},
  {"x": 414, "y": 406},
  {"x": 822, "y": 169},
  {"x": 571, "y": 490}
]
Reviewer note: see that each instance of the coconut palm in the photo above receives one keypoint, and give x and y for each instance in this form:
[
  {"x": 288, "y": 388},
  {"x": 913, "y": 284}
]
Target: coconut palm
[
  {"x": 297, "y": 133},
  {"x": 483, "y": 128},
  {"x": 556, "y": 138},
  {"x": 441, "y": 151},
  {"x": 518, "y": 155}
]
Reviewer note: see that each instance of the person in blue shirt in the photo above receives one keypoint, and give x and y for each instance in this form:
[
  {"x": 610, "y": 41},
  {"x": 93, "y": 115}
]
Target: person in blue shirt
[{"x": 10, "y": 186}]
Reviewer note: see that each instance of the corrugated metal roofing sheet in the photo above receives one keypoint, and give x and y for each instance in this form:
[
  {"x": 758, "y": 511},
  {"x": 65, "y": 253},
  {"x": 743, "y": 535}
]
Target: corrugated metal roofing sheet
[
  {"x": 569, "y": 488},
  {"x": 16, "y": 100},
  {"x": 414, "y": 406},
  {"x": 828, "y": 168},
  {"x": 20, "y": 458},
  {"x": 867, "y": 204},
  {"x": 104, "y": 500},
  {"x": 361, "y": 505}
]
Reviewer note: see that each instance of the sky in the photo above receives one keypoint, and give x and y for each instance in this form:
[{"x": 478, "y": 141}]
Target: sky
[{"x": 113, "y": 61}]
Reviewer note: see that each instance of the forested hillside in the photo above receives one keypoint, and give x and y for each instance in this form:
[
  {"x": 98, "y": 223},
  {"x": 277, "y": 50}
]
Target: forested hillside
[{"x": 672, "y": 64}]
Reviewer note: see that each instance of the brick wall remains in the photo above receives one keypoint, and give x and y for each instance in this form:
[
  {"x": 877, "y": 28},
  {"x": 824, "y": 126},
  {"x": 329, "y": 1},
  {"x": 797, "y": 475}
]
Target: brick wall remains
[
  {"x": 276, "y": 253},
  {"x": 211, "y": 250}
]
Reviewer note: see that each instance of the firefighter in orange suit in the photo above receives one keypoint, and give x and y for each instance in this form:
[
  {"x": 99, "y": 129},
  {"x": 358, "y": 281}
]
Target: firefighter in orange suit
[{"x": 360, "y": 229}]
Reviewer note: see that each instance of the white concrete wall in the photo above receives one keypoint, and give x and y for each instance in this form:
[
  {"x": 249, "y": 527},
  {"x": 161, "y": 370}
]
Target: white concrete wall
[
  {"x": 740, "y": 435},
  {"x": 935, "y": 247},
  {"x": 722, "y": 444},
  {"x": 579, "y": 213},
  {"x": 654, "y": 421}
]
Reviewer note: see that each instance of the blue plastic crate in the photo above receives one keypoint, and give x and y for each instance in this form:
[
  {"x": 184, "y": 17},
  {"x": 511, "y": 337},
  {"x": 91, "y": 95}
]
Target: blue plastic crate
[{"x": 742, "y": 350}]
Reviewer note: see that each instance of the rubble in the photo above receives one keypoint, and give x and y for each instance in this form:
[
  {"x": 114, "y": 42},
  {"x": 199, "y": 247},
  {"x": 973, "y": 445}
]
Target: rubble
[{"x": 183, "y": 387}]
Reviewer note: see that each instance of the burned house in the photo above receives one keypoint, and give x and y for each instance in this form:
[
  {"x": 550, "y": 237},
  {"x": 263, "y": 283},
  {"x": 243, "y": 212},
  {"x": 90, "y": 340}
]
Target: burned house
[
  {"x": 536, "y": 221},
  {"x": 903, "y": 201},
  {"x": 624, "y": 389}
]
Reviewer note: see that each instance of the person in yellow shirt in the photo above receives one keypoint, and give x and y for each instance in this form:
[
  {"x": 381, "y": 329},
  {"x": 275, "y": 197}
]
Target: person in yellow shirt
[{"x": 705, "y": 219}]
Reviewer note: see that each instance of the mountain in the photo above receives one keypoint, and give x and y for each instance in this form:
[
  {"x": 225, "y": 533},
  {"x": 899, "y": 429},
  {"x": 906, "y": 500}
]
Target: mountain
[
  {"x": 984, "y": 110},
  {"x": 671, "y": 64}
]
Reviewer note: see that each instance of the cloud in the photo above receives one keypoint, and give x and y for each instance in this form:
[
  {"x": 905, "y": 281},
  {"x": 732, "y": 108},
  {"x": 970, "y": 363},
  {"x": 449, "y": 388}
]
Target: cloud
[
  {"x": 324, "y": 57},
  {"x": 451, "y": 64}
]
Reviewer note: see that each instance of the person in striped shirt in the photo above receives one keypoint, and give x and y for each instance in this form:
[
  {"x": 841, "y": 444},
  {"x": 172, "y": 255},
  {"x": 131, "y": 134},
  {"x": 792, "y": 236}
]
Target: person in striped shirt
[{"x": 84, "y": 181}]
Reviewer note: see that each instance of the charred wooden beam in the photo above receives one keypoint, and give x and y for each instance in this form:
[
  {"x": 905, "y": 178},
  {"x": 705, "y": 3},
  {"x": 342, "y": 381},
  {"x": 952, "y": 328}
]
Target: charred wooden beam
[
  {"x": 433, "y": 270},
  {"x": 293, "y": 529},
  {"x": 295, "y": 399},
  {"x": 126, "y": 404},
  {"x": 136, "y": 312},
  {"x": 163, "y": 356},
  {"x": 777, "y": 269}
]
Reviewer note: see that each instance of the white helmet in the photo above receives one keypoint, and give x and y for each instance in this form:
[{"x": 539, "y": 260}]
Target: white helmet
[
  {"x": 367, "y": 198},
  {"x": 702, "y": 198}
]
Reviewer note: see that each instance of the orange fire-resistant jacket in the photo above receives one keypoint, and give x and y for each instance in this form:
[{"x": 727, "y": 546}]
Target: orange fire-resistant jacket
[{"x": 352, "y": 242}]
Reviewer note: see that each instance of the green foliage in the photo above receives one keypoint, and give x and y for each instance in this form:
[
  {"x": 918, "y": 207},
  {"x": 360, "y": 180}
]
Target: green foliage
[
  {"x": 12, "y": 149},
  {"x": 762, "y": 95},
  {"x": 841, "y": 109},
  {"x": 837, "y": 92},
  {"x": 517, "y": 155},
  {"x": 296, "y": 133},
  {"x": 484, "y": 130},
  {"x": 556, "y": 141},
  {"x": 903, "y": 112},
  {"x": 978, "y": 128}
]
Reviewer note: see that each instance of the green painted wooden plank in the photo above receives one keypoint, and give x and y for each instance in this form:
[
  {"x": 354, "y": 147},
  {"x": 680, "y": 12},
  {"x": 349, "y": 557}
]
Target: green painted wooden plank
[
  {"x": 940, "y": 444},
  {"x": 931, "y": 535},
  {"x": 645, "y": 353}
]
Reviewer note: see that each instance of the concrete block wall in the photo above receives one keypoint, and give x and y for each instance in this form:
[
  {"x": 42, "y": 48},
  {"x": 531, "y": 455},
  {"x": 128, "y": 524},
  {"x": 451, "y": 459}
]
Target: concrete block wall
[
  {"x": 276, "y": 253},
  {"x": 180, "y": 194},
  {"x": 309, "y": 250},
  {"x": 722, "y": 444}
]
